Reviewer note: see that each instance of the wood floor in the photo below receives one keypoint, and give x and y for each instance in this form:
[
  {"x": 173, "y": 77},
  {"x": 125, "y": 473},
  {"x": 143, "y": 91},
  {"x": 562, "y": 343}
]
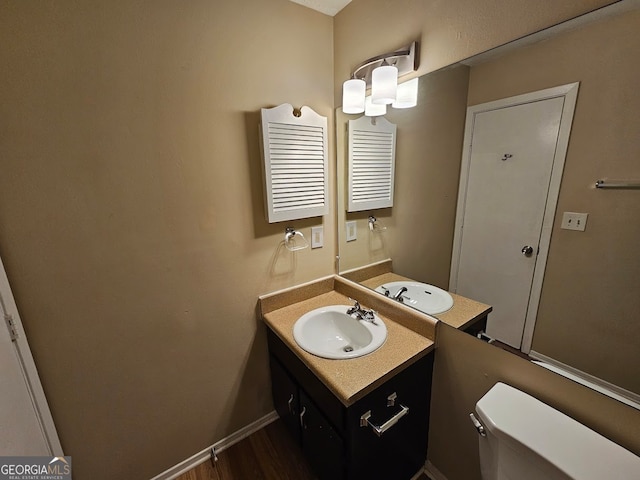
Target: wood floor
[
  {"x": 510, "y": 349},
  {"x": 268, "y": 454}
]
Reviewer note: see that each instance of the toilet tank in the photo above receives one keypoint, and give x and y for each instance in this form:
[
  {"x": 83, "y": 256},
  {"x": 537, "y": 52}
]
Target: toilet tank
[{"x": 528, "y": 440}]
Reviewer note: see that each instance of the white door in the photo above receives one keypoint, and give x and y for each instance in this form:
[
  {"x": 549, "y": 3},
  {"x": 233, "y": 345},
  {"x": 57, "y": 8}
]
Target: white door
[
  {"x": 512, "y": 149},
  {"x": 26, "y": 426}
]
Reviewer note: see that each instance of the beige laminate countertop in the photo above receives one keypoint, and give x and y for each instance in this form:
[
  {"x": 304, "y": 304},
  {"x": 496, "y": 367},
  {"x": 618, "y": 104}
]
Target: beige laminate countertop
[
  {"x": 350, "y": 379},
  {"x": 463, "y": 313}
]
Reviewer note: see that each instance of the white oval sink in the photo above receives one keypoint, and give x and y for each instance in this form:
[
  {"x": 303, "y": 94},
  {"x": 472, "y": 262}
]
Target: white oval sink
[
  {"x": 329, "y": 332},
  {"x": 421, "y": 296}
]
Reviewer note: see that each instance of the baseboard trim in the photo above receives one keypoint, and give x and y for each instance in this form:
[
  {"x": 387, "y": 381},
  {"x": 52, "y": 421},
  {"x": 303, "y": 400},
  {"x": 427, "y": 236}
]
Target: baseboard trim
[
  {"x": 432, "y": 472},
  {"x": 418, "y": 474},
  {"x": 609, "y": 389},
  {"x": 219, "y": 446}
]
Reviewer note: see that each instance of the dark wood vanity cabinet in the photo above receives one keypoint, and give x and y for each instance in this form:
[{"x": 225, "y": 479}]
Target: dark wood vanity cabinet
[
  {"x": 332, "y": 436},
  {"x": 478, "y": 326},
  {"x": 319, "y": 441}
]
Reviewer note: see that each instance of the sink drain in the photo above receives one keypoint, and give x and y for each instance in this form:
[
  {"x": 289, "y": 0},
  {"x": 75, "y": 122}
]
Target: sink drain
[{"x": 348, "y": 348}]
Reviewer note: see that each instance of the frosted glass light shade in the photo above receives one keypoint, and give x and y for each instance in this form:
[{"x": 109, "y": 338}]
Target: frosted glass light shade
[
  {"x": 407, "y": 96},
  {"x": 384, "y": 84},
  {"x": 371, "y": 110},
  {"x": 353, "y": 92}
]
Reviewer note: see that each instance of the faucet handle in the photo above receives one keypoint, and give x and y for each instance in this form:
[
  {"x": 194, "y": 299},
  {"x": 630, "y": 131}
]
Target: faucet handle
[
  {"x": 355, "y": 309},
  {"x": 369, "y": 315}
]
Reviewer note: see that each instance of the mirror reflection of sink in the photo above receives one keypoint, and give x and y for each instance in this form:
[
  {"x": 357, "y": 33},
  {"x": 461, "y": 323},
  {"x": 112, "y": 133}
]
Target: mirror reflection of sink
[
  {"x": 330, "y": 333},
  {"x": 421, "y": 296}
]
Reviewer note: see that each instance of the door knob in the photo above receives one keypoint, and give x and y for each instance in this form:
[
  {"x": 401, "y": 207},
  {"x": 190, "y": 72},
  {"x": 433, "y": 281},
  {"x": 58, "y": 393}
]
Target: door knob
[{"x": 527, "y": 251}]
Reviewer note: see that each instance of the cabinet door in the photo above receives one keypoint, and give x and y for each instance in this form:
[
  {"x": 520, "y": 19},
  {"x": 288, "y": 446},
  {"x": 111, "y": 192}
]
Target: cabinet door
[
  {"x": 285, "y": 397},
  {"x": 400, "y": 451},
  {"x": 322, "y": 446}
]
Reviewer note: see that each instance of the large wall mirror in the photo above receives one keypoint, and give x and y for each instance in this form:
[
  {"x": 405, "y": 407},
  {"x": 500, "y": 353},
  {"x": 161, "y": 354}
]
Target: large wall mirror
[{"x": 589, "y": 306}]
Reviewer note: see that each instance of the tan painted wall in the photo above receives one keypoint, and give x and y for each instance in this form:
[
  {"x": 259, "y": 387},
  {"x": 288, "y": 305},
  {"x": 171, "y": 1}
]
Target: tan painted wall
[
  {"x": 419, "y": 235},
  {"x": 131, "y": 221},
  {"x": 590, "y": 302},
  {"x": 131, "y": 214},
  {"x": 466, "y": 368},
  {"x": 448, "y": 31}
]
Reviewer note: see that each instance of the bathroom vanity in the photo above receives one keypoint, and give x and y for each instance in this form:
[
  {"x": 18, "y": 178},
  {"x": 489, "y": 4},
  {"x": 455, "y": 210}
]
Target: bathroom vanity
[
  {"x": 467, "y": 315},
  {"x": 338, "y": 440},
  {"x": 365, "y": 417}
]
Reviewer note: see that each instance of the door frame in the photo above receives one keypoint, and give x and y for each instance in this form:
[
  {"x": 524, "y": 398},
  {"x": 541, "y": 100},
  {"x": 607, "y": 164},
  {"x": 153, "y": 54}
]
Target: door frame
[
  {"x": 570, "y": 94},
  {"x": 28, "y": 367}
]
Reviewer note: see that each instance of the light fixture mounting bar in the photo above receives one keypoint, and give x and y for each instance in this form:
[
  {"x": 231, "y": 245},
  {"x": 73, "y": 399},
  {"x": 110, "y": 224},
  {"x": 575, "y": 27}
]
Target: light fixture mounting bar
[{"x": 404, "y": 59}]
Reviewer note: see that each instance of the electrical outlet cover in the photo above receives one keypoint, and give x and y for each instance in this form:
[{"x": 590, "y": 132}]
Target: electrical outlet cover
[
  {"x": 352, "y": 231},
  {"x": 574, "y": 221},
  {"x": 317, "y": 237}
]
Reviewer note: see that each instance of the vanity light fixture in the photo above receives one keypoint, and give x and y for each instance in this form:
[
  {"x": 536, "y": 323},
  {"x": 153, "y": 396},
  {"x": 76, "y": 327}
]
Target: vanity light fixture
[
  {"x": 381, "y": 74},
  {"x": 384, "y": 84},
  {"x": 353, "y": 93},
  {"x": 407, "y": 96},
  {"x": 373, "y": 110}
]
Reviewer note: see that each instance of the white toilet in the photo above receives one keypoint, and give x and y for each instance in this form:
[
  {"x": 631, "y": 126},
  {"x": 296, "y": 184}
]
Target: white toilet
[{"x": 522, "y": 438}]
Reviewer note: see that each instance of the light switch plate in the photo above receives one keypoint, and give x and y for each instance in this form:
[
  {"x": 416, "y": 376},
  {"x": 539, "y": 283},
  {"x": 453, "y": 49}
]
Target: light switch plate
[
  {"x": 352, "y": 231},
  {"x": 317, "y": 237},
  {"x": 574, "y": 221}
]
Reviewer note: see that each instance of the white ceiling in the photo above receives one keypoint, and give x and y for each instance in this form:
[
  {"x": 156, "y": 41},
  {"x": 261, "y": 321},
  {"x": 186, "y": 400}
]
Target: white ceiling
[{"x": 328, "y": 7}]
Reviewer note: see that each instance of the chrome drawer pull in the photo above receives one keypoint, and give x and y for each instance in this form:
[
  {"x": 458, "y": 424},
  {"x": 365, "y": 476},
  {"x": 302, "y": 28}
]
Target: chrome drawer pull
[
  {"x": 365, "y": 420},
  {"x": 304, "y": 410}
]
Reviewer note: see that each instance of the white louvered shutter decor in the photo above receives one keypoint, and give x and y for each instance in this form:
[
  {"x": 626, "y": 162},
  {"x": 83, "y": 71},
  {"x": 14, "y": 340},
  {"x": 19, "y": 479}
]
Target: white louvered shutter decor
[
  {"x": 295, "y": 163},
  {"x": 372, "y": 152}
]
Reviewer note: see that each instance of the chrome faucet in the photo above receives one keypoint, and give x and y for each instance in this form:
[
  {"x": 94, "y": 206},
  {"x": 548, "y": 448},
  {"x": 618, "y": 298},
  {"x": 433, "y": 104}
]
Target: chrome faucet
[
  {"x": 355, "y": 309},
  {"x": 398, "y": 295},
  {"x": 361, "y": 313}
]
